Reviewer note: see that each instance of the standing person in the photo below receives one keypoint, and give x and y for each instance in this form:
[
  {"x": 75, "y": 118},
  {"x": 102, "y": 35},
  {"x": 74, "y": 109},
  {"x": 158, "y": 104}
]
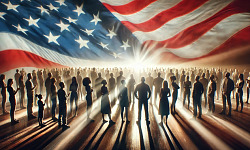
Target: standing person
[
  {"x": 239, "y": 92},
  {"x": 174, "y": 93},
  {"x": 131, "y": 88},
  {"x": 30, "y": 91},
  {"x": 53, "y": 98},
  {"x": 112, "y": 87},
  {"x": 93, "y": 76},
  {"x": 79, "y": 80},
  {"x": 105, "y": 104},
  {"x": 40, "y": 79},
  {"x": 164, "y": 103},
  {"x": 144, "y": 94},
  {"x": 218, "y": 78},
  {"x": 35, "y": 83},
  {"x": 62, "y": 105},
  {"x": 182, "y": 80},
  {"x": 204, "y": 82},
  {"x": 211, "y": 94},
  {"x": 150, "y": 81},
  {"x": 73, "y": 96},
  {"x": 158, "y": 84},
  {"x": 48, "y": 89},
  {"x": 21, "y": 86},
  {"x": 86, "y": 82},
  {"x": 98, "y": 85},
  {"x": 186, "y": 94},
  {"x": 3, "y": 92},
  {"x": 248, "y": 89},
  {"x": 17, "y": 76},
  {"x": 197, "y": 92},
  {"x": 227, "y": 88},
  {"x": 124, "y": 102},
  {"x": 40, "y": 109},
  {"x": 12, "y": 99},
  {"x": 119, "y": 79}
]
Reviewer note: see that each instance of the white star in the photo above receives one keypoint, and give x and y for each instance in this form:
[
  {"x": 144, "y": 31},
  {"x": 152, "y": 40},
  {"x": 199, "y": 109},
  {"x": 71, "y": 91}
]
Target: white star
[
  {"x": 79, "y": 10},
  {"x": 83, "y": 43},
  {"x": 111, "y": 33},
  {"x": 10, "y": 6},
  {"x": 33, "y": 21},
  {"x": 96, "y": 18},
  {"x": 43, "y": 10},
  {"x": 125, "y": 45},
  {"x": 63, "y": 26},
  {"x": 116, "y": 55},
  {"x": 19, "y": 28},
  {"x": 61, "y": 2},
  {"x": 104, "y": 45},
  {"x": 2, "y": 14},
  {"x": 52, "y": 7},
  {"x": 71, "y": 20},
  {"x": 52, "y": 38},
  {"x": 89, "y": 32}
]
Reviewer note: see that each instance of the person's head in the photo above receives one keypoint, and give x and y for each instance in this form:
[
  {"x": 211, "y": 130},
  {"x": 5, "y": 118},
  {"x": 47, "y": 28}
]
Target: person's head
[
  {"x": 187, "y": 78},
  {"x": 142, "y": 79},
  {"x": 49, "y": 75},
  {"x": 99, "y": 75},
  {"x": 53, "y": 81},
  {"x": 203, "y": 75},
  {"x": 104, "y": 82},
  {"x": 241, "y": 76},
  {"x": 29, "y": 76},
  {"x": 61, "y": 84},
  {"x": 74, "y": 80},
  {"x": 17, "y": 70},
  {"x": 121, "y": 73},
  {"x": 10, "y": 82},
  {"x": 86, "y": 81},
  {"x": 165, "y": 84},
  {"x": 39, "y": 96},
  {"x": 123, "y": 82},
  {"x": 2, "y": 77},
  {"x": 211, "y": 77},
  {"x": 183, "y": 72},
  {"x": 227, "y": 75},
  {"x": 131, "y": 76},
  {"x": 172, "y": 78},
  {"x": 197, "y": 78},
  {"x": 78, "y": 72},
  {"x": 170, "y": 70},
  {"x": 111, "y": 75},
  {"x": 149, "y": 74},
  {"x": 159, "y": 74}
]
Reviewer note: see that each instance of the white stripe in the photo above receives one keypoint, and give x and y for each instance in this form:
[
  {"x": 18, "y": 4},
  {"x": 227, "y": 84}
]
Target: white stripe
[
  {"x": 116, "y": 2},
  {"x": 215, "y": 37},
  {"x": 175, "y": 26},
  {"x": 148, "y": 12},
  {"x": 12, "y": 41}
]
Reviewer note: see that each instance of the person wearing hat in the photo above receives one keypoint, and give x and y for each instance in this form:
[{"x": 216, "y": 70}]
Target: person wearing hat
[
  {"x": 144, "y": 94},
  {"x": 105, "y": 104},
  {"x": 227, "y": 88},
  {"x": 211, "y": 93}
]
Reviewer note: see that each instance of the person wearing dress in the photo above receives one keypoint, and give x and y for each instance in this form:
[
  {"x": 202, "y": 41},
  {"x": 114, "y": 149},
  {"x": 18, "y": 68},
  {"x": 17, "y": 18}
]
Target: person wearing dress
[
  {"x": 105, "y": 104},
  {"x": 124, "y": 101},
  {"x": 164, "y": 103},
  {"x": 86, "y": 82},
  {"x": 40, "y": 109},
  {"x": 239, "y": 92},
  {"x": 12, "y": 99}
]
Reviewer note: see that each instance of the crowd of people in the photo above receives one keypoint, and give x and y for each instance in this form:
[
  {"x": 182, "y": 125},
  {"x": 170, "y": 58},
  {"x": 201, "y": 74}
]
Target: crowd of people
[{"x": 123, "y": 84}]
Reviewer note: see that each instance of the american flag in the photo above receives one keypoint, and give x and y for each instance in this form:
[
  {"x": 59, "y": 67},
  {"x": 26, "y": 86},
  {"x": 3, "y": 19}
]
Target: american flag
[{"x": 58, "y": 33}]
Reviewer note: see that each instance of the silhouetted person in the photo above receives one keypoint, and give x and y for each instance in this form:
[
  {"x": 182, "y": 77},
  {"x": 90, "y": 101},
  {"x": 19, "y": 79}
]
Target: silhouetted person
[
  {"x": 164, "y": 103},
  {"x": 112, "y": 86},
  {"x": 21, "y": 86},
  {"x": 158, "y": 84},
  {"x": 86, "y": 82},
  {"x": 3, "y": 92},
  {"x": 17, "y": 76},
  {"x": 73, "y": 96},
  {"x": 67, "y": 80},
  {"x": 105, "y": 104},
  {"x": 48, "y": 88},
  {"x": 197, "y": 92},
  {"x": 186, "y": 94},
  {"x": 174, "y": 93},
  {"x": 40, "y": 80},
  {"x": 227, "y": 88},
  {"x": 62, "y": 105},
  {"x": 218, "y": 78},
  {"x": 30, "y": 94},
  {"x": 40, "y": 109},
  {"x": 248, "y": 88},
  {"x": 235, "y": 79},
  {"x": 79, "y": 80},
  {"x": 35, "y": 83},
  {"x": 144, "y": 94},
  {"x": 93, "y": 76},
  {"x": 12, "y": 100},
  {"x": 239, "y": 92},
  {"x": 192, "y": 77},
  {"x": 150, "y": 82},
  {"x": 211, "y": 94},
  {"x": 53, "y": 99},
  {"x": 98, "y": 85},
  {"x": 204, "y": 82},
  {"x": 182, "y": 80},
  {"x": 131, "y": 88},
  {"x": 118, "y": 81},
  {"x": 124, "y": 102}
]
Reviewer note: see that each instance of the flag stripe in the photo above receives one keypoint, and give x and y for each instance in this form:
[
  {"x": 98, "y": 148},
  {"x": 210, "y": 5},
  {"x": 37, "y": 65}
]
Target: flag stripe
[
  {"x": 148, "y": 12},
  {"x": 184, "y": 37},
  {"x": 116, "y": 2},
  {"x": 129, "y": 8}
]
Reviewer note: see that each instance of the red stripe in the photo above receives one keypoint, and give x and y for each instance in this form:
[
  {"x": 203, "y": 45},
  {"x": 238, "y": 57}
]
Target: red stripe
[
  {"x": 130, "y": 8},
  {"x": 193, "y": 33},
  {"x": 182, "y": 8},
  {"x": 238, "y": 42},
  {"x": 11, "y": 59}
]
